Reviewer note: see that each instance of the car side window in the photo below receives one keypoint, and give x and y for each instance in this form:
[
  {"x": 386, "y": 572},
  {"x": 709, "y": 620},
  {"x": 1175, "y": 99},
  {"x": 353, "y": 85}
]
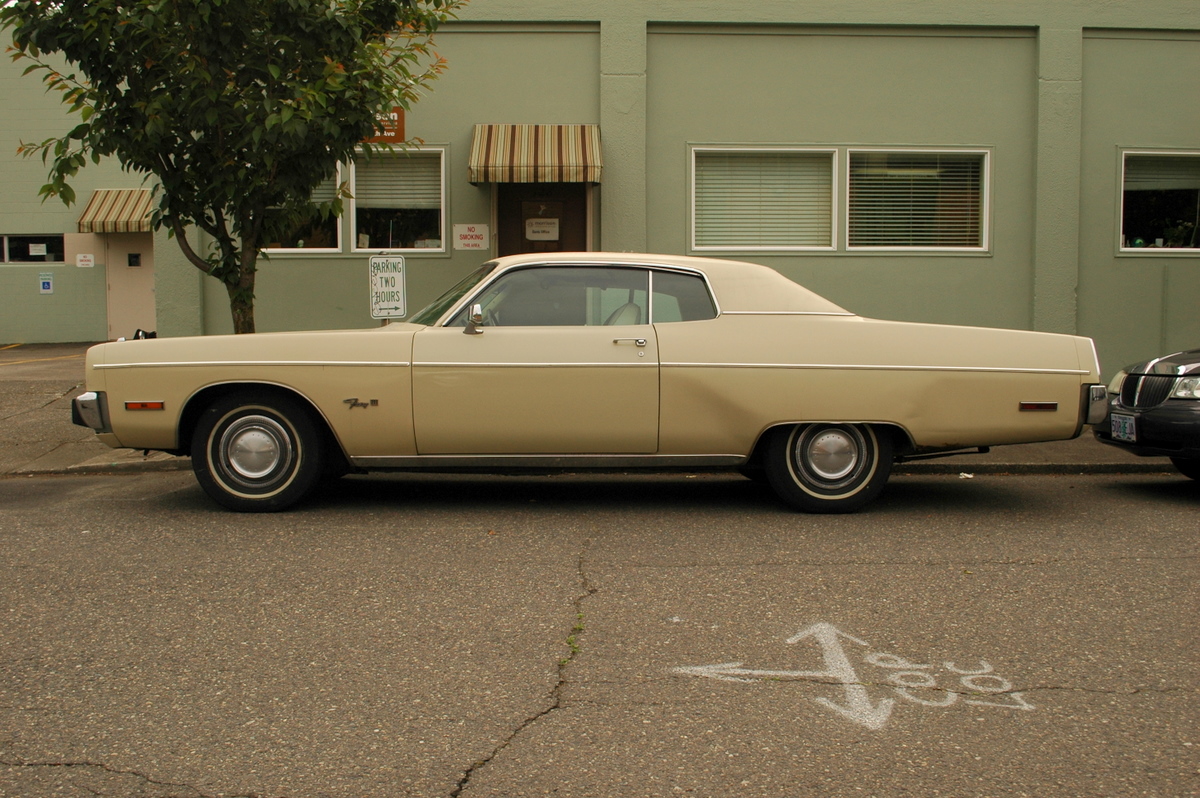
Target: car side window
[
  {"x": 557, "y": 296},
  {"x": 681, "y": 297}
]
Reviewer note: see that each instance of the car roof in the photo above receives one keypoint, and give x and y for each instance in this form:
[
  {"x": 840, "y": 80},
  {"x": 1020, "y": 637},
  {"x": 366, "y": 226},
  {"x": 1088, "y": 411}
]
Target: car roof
[{"x": 740, "y": 287}]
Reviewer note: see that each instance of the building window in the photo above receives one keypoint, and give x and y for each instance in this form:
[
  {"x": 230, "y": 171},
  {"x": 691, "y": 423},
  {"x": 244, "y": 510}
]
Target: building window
[
  {"x": 31, "y": 249},
  {"x": 398, "y": 201},
  {"x": 315, "y": 234},
  {"x": 762, "y": 199},
  {"x": 1160, "y": 202},
  {"x": 917, "y": 200}
]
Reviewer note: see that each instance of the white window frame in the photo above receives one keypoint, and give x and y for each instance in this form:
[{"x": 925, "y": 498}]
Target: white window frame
[
  {"x": 4, "y": 240},
  {"x": 351, "y": 209},
  {"x": 697, "y": 151},
  {"x": 985, "y": 199},
  {"x": 337, "y": 179},
  {"x": 1148, "y": 250}
]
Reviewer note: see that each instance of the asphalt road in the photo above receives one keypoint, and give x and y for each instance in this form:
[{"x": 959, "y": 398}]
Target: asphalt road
[{"x": 600, "y": 636}]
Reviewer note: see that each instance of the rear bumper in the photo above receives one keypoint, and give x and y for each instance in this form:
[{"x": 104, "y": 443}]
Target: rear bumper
[{"x": 1095, "y": 403}]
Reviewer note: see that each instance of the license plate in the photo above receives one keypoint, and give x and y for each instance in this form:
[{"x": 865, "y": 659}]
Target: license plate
[{"x": 1124, "y": 428}]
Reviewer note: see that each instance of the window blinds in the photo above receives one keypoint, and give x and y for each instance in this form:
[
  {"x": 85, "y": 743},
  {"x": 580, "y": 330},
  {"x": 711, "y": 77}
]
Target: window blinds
[
  {"x": 326, "y": 190},
  {"x": 1162, "y": 172},
  {"x": 763, "y": 199},
  {"x": 402, "y": 180},
  {"x": 916, "y": 199}
]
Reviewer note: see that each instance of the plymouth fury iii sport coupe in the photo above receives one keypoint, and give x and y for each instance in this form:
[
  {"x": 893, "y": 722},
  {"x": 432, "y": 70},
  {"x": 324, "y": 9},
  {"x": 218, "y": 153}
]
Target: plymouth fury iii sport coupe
[{"x": 594, "y": 360}]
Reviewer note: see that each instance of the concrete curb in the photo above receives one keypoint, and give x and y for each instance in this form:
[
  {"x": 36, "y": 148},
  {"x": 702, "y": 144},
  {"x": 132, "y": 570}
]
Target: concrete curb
[
  {"x": 155, "y": 461},
  {"x": 119, "y": 462},
  {"x": 1154, "y": 467}
]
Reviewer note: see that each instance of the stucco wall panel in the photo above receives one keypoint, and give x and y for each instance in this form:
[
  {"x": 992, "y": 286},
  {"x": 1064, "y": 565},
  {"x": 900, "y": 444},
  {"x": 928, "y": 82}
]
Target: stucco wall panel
[
  {"x": 846, "y": 87},
  {"x": 1139, "y": 92}
]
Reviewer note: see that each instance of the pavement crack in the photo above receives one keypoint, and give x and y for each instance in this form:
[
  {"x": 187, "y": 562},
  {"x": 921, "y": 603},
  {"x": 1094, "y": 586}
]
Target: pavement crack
[
  {"x": 176, "y": 790},
  {"x": 573, "y": 643},
  {"x": 1130, "y": 691}
]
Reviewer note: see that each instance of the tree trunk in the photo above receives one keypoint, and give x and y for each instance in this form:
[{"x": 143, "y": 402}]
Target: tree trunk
[{"x": 241, "y": 307}]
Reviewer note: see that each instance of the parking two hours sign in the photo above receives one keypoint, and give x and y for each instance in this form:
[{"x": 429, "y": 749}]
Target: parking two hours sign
[{"x": 387, "y": 287}]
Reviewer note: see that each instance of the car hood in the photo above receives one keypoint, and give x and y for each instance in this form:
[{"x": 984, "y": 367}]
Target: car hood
[
  {"x": 328, "y": 346},
  {"x": 1179, "y": 363}
]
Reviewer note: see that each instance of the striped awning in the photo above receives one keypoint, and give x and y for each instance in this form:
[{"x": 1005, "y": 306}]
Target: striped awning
[
  {"x": 117, "y": 210},
  {"x": 536, "y": 154}
]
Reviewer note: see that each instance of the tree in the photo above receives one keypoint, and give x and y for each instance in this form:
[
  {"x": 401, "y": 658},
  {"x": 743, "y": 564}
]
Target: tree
[{"x": 238, "y": 108}]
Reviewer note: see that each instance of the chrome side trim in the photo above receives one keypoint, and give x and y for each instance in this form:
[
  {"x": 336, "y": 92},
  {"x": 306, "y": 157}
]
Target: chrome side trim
[
  {"x": 873, "y": 367},
  {"x": 254, "y": 363},
  {"x": 640, "y": 364},
  {"x": 436, "y": 461},
  {"x": 787, "y": 313}
]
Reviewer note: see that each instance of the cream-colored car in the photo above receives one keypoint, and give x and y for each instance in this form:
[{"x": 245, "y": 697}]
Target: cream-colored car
[{"x": 594, "y": 360}]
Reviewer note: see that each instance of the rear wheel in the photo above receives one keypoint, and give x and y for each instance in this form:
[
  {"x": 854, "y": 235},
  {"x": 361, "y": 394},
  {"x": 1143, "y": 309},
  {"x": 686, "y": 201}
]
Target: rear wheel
[
  {"x": 828, "y": 468},
  {"x": 1187, "y": 466},
  {"x": 256, "y": 452}
]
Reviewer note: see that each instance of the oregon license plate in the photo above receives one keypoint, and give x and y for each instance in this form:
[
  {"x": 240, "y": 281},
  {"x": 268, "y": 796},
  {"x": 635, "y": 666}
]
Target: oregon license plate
[{"x": 1124, "y": 428}]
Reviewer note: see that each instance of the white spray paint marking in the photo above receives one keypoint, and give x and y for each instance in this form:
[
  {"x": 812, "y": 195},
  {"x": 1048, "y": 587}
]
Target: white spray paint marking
[
  {"x": 912, "y": 681},
  {"x": 856, "y": 703}
]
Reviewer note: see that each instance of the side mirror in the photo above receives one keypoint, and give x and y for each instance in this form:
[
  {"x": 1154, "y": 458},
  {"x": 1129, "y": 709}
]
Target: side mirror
[{"x": 474, "y": 321}]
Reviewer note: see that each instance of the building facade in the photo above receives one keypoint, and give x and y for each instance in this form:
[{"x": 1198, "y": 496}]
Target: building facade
[{"x": 1031, "y": 164}]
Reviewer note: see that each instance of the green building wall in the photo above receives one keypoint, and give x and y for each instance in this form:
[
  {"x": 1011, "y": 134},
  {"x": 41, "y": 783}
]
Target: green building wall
[
  {"x": 75, "y": 310},
  {"x": 1053, "y": 90},
  {"x": 1142, "y": 91}
]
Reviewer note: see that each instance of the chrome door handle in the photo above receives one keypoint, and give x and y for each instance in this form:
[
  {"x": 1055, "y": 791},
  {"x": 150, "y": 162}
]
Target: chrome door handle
[{"x": 634, "y": 341}]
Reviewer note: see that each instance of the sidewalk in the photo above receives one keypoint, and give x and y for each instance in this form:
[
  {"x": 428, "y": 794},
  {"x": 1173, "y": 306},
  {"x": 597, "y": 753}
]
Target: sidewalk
[
  {"x": 38, "y": 381},
  {"x": 37, "y": 384}
]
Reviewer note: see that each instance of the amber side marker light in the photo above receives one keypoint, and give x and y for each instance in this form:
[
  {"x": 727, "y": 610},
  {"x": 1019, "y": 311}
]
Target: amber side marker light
[
  {"x": 1051, "y": 406},
  {"x": 144, "y": 406}
]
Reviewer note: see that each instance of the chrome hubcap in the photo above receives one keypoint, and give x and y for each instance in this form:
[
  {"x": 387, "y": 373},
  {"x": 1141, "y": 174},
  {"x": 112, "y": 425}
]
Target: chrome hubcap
[
  {"x": 832, "y": 455},
  {"x": 254, "y": 447}
]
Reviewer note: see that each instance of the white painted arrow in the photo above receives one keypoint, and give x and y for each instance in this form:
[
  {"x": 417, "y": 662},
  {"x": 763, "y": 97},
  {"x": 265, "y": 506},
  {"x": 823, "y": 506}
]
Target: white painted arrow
[
  {"x": 856, "y": 703},
  {"x": 734, "y": 672}
]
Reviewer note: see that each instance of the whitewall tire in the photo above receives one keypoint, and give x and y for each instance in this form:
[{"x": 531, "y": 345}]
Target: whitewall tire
[
  {"x": 828, "y": 468},
  {"x": 256, "y": 452}
]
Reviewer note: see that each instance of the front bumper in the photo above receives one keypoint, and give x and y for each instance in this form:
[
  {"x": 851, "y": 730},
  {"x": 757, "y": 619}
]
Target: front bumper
[
  {"x": 90, "y": 409},
  {"x": 1171, "y": 429}
]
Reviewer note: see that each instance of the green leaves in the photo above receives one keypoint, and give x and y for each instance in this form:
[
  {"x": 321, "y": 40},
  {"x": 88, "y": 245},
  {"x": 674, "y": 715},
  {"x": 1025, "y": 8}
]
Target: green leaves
[{"x": 238, "y": 108}]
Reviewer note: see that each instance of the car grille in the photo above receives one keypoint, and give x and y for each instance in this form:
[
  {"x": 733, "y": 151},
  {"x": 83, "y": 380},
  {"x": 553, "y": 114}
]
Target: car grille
[{"x": 1149, "y": 390}]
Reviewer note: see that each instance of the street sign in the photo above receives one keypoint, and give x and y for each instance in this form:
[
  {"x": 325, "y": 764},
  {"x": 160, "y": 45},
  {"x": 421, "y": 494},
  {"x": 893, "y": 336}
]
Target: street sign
[{"x": 387, "y": 287}]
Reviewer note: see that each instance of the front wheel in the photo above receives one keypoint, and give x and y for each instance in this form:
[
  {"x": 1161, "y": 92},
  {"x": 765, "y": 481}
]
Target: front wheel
[
  {"x": 828, "y": 468},
  {"x": 1188, "y": 467},
  {"x": 256, "y": 452}
]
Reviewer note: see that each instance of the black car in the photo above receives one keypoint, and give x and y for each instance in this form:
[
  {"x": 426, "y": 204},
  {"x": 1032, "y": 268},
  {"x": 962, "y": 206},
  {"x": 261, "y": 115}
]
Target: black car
[{"x": 1154, "y": 410}]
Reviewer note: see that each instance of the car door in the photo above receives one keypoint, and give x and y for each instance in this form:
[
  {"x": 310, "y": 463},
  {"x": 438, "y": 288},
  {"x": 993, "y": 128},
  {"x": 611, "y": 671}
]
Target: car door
[{"x": 565, "y": 362}]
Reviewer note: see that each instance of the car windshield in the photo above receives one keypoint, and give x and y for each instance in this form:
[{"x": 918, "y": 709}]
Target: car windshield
[{"x": 433, "y": 311}]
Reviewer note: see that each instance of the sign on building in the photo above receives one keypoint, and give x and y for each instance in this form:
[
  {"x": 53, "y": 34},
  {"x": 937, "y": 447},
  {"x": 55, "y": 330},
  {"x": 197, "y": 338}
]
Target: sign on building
[{"x": 472, "y": 236}]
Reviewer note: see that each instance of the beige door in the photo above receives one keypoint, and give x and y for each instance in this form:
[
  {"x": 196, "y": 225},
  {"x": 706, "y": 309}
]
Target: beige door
[
  {"x": 564, "y": 363},
  {"x": 129, "y": 263},
  {"x": 525, "y": 390}
]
